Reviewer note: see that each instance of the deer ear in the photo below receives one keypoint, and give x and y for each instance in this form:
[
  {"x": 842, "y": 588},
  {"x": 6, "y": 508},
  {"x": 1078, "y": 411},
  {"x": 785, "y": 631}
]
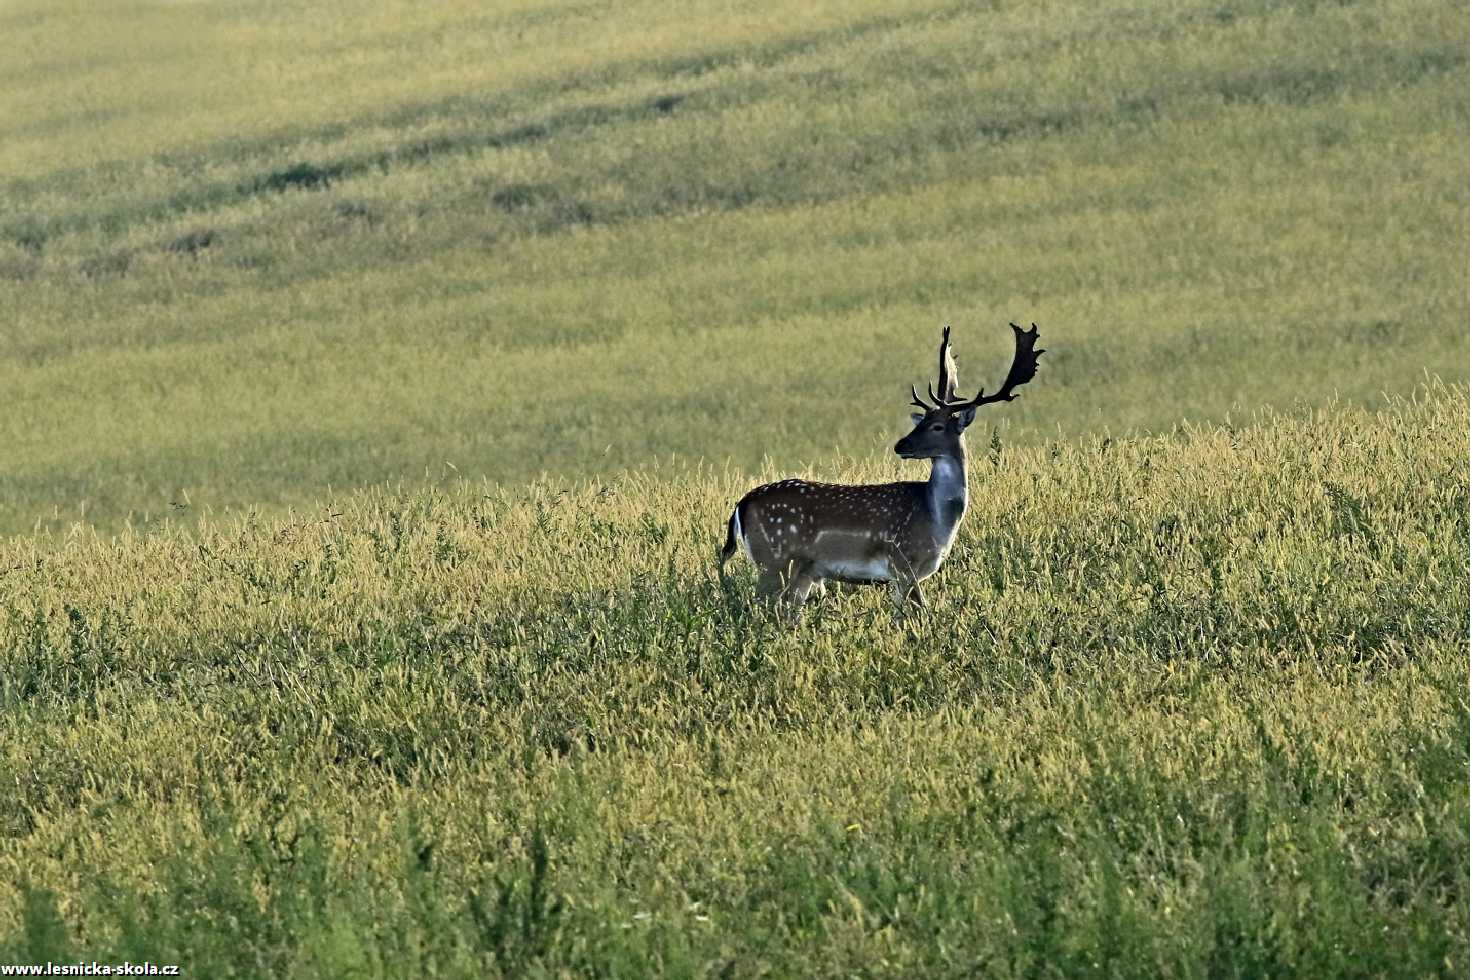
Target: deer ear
[
  {"x": 965, "y": 418},
  {"x": 915, "y": 418}
]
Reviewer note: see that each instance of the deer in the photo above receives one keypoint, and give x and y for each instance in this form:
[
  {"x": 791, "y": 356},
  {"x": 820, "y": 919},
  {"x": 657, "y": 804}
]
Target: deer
[{"x": 799, "y": 533}]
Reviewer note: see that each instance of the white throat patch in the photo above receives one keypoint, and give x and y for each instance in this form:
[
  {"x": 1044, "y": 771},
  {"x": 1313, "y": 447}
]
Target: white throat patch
[{"x": 947, "y": 499}]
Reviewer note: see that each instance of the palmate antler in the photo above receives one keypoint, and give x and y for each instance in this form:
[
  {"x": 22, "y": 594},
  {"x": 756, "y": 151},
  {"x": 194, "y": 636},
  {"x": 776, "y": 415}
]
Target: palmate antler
[{"x": 1023, "y": 369}]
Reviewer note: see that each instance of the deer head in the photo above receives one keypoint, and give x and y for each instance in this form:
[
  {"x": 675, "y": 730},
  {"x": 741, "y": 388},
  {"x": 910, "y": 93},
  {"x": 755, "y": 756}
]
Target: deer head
[{"x": 939, "y": 427}]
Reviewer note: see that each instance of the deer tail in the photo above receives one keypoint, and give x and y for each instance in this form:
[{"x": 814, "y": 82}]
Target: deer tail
[{"x": 734, "y": 538}]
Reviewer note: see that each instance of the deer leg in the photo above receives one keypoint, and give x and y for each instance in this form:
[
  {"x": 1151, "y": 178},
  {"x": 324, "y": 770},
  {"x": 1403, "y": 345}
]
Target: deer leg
[
  {"x": 788, "y": 585},
  {"x": 903, "y": 584},
  {"x": 770, "y": 584},
  {"x": 802, "y": 584},
  {"x": 800, "y": 587}
]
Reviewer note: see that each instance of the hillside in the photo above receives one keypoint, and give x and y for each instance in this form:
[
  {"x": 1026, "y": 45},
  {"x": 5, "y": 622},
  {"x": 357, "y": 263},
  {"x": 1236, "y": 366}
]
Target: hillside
[
  {"x": 251, "y": 254},
  {"x": 1183, "y": 706}
]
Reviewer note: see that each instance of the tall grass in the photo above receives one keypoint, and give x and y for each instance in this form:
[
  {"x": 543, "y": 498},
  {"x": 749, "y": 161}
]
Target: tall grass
[
  {"x": 251, "y": 252},
  {"x": 1184, "y": 705}
]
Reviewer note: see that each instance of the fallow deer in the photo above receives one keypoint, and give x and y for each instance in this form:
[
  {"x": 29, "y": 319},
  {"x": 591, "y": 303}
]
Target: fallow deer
[{"x": 800, "y": 533}]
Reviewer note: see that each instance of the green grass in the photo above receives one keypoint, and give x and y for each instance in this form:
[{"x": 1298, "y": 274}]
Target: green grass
[
  {"x": 251, "y": 252},
  {"x": 1191, "y": 705},
  {"x": 377, "y": 383}
]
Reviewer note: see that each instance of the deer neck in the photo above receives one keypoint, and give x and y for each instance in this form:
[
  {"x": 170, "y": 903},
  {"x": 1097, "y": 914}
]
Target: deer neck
[{"x": 947, "y": 492}]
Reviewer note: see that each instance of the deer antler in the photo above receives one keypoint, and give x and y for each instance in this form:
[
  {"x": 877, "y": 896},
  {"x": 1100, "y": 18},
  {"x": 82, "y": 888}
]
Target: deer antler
[
  {"x": 1023, "y": 369},
  {"x": 948, "y": 373},
  {"x": 947, "y": 376}
]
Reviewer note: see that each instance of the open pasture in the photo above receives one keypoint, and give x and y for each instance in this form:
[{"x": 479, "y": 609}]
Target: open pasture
[
  {"x": 346, "y": 629},
  {"x": 252, "y": 251},
  {"x": 1186, "y": 706}
]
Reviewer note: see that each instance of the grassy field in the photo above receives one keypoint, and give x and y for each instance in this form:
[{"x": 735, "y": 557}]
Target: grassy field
[
  {"x": 377, "y": 383},
  {"x": 1183, "y": 706},
  {"x": 249, "y": 252}
]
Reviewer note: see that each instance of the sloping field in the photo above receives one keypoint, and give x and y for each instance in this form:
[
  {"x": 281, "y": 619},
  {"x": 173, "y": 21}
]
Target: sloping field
[
  {"x": 1188, "y": 703},
  {"x": 251, "y": 251},
  {"x": 1183, "y": 706}
]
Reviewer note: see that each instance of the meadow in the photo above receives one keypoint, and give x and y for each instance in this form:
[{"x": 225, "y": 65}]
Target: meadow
[
  {"x": 377, "y": 383},
  {"x": 251, "y": 254},
  {"x": 1189, "y": 705}
]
